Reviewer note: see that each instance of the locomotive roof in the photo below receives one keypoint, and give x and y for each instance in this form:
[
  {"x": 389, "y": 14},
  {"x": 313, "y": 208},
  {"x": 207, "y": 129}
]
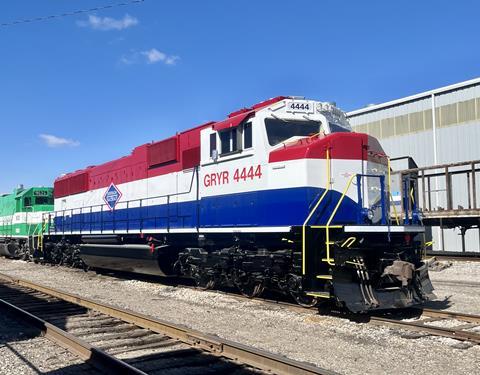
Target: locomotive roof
[{"x": 141, "y": 149}]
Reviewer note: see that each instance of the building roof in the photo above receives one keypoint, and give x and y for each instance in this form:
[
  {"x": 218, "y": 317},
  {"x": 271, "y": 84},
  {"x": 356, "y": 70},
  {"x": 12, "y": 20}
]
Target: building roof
[{"x": 392, "y": 103}]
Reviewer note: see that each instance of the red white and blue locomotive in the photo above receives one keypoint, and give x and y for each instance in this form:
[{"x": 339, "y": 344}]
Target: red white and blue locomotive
[{"x": 282, "y": 195}]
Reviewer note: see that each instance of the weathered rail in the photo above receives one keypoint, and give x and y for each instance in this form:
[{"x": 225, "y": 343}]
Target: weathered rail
[
  {"x": 381, "y": 319},
  {"x": 454, "y": 255},
  {"x": 459, "y": 332},
  {"x": 17, "y": 294},
  {"x": 378, "y": 318}
]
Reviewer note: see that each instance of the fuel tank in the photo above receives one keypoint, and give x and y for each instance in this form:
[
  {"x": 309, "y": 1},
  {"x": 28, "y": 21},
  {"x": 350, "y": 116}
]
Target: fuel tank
[
  {"x": 9, "y": 249},
  {"x": 109, "y": 253}
]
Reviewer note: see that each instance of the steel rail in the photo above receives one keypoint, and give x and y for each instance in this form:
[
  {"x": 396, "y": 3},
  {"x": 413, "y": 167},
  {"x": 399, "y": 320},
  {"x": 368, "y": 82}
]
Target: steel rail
[
  {"x": 90, "y": 354},
  {"x": 471, "y": 318},
  {"x": 253, "y": 357},
  {"x": 378, "y": 320},
  {"x": 459, "y": 257},
  {"x": 417, "y": 326}
]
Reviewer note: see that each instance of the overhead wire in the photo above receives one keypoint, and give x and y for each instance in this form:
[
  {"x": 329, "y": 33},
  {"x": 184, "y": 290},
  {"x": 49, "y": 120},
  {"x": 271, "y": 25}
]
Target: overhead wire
[{"x": 68, "y": 14}]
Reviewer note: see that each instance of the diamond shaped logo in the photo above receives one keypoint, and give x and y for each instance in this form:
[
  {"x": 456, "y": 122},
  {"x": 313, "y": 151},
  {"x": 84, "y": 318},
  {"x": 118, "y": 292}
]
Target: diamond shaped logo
[{"x": 112, "y": 196}]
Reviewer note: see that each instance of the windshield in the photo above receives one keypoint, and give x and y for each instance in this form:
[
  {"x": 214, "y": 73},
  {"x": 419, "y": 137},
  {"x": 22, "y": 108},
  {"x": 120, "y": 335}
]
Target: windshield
[
  {"x": 279, "y": 131},
  {"x": 337, "y": 128}
]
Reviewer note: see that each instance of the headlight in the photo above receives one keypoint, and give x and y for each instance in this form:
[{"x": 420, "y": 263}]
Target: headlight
[
  {"x": 367, "y": 214},
  {"x": 417, "y": 216}
]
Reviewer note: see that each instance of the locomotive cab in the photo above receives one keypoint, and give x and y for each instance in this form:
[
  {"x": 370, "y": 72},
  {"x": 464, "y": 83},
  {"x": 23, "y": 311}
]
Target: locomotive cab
[{"x": 329, "y": 188}]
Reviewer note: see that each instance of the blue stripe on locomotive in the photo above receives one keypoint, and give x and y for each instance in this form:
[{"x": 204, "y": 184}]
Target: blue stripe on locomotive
[{"x": 269, "y": 208}]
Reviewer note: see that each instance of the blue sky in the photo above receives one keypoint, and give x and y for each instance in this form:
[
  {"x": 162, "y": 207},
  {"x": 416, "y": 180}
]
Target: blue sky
[{"x": 83, "y": 90}]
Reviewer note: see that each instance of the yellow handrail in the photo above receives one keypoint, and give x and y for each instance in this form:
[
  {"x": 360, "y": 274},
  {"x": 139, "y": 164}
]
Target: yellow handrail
[
  {"x": 394, "y": 210},
  {"x": 411, "y": 195},
  {"x": 349, "y": 242},
  {"x": 389, "y": 189},
  {"x": 341, "y": 198},
  {"x": 327, "y": 227},
  {"x": 389, "y": 183},
  {"x": 44, "y": 227},
  {"x": 313, "y": 211}
]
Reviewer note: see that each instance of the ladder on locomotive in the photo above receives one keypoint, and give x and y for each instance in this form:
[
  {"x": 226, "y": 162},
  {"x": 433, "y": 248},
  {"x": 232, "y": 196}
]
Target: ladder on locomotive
[
  {"x": 37, "y": 236},
  {"x": 328, "y": 226}
]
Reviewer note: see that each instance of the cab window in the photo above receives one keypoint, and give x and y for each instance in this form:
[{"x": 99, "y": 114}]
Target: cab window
[
  {"x": 213, "y": 143},
  {"x": 228, "y": 141},
  {"x": 338, "y": 128},
  {"x": 247, "y": 135},
  {"x": 44, "y": 200},
  {"x": 27, "y": 202},
  {"x": 279, "y": 131}
]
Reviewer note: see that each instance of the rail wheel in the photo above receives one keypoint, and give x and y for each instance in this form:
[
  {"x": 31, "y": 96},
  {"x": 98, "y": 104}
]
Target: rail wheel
[
  {"x": 202, "y": 279},
  {"x": 248, "y": 286},
  {"x": 294, "y": 283},
  {"x": 303, "y": 300}
]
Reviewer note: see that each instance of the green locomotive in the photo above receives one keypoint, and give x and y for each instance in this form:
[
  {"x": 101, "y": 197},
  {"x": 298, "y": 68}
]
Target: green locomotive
[{"x": 22, "y": 220}]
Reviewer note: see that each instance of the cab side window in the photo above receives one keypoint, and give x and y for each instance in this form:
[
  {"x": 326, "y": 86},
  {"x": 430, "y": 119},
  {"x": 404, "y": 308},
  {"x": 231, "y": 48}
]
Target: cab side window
[
  {"x": 213, "y": 143},
  {"x": 228, "y": 141},
  {"x": 43, "y": 200},
  {"x": 234, "y": 139},
  {"x": 247, "y": 135},
  {"x": 27, "y": 202}
]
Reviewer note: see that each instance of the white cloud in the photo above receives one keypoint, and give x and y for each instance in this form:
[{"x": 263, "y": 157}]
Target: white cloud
[
  {"x": 128, "y": 60},
  {"x": 151, "y": 56},
  {"x": 108, "y": 23},
  {"x": 154, "y": 55},
  {"x": 54, "y": 141},
  {"x": 171, "y": 60}
]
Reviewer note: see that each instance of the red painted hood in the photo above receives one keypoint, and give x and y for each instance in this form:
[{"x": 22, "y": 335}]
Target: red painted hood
[{"x": 352, "y": 146}]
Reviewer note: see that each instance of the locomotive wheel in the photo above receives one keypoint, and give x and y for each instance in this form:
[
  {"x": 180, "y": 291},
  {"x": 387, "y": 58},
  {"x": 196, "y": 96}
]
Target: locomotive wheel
[
  {"x": 203, "y": 280},
  {"x": 205, "y": 283},
  {"x": 303, "y": 300},
  {"x": 251, "y": 288}
]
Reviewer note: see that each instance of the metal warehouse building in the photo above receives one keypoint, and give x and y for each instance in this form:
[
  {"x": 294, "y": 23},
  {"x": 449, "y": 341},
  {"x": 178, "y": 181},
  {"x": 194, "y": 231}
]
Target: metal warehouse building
[{"x": 435, "y": 127}]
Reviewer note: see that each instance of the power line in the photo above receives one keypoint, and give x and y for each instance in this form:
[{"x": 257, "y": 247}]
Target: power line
[{"x": 68, "y": 14}]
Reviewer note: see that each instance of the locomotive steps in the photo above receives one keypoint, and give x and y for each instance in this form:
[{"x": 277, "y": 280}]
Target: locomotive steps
[{"x": 123, "y": 341}]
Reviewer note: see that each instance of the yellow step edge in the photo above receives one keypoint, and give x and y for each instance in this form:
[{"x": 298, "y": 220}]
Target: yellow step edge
[
  {"x": 326, "y": 277},
  {"x": 328, "y": 260},
  {"x": 318, "y": 294}
]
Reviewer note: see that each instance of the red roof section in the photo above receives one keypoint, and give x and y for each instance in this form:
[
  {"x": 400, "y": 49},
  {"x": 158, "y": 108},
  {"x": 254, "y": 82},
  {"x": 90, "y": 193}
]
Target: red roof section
[{"x": 233, "y": 121}]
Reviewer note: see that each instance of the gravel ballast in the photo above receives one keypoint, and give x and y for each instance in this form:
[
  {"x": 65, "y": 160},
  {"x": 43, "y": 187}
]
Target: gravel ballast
[
  {"x": 457, "y": 288},
  {"x": 330, "y": 342}
]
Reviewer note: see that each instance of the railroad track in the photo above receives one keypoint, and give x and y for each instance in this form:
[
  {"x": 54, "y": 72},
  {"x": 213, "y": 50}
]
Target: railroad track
[
  {"x": 426, "y": 322},
  {"x": 121, "y": 341},
  {"x": 433, "y": 322},
  {"x": 456, "y": 256},
  {"x": 425, "y": 319}
]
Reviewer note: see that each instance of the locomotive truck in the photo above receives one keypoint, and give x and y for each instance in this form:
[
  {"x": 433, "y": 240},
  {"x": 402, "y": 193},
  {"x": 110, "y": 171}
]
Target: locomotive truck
[{"x": 282, "y": 195}]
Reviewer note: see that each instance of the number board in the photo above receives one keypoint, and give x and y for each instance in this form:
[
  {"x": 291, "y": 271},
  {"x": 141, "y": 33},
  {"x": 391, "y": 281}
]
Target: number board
[
  {"x": 40, "y": 193},
  {"x": 299, "y": 106}
]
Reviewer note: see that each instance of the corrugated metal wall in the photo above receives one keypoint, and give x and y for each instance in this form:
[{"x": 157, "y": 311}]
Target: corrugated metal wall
[{"x": 406, "y": 129}]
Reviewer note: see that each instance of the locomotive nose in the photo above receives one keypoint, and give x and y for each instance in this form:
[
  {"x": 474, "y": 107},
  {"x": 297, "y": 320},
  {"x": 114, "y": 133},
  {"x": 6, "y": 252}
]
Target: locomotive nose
[
  {"x": 346, "y": 145},
  {"x": 351, "y": 146}
]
